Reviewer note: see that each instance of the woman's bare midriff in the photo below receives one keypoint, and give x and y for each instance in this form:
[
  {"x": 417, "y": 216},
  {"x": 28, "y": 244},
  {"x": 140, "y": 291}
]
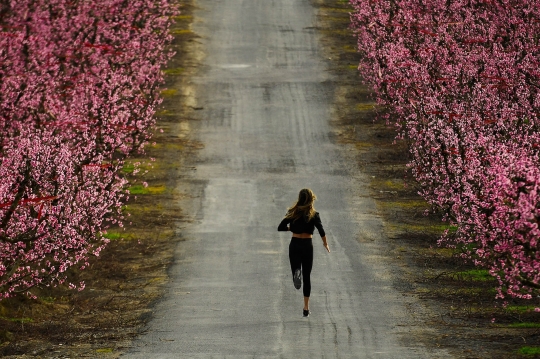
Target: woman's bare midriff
[{"x": 302, "y": 235}]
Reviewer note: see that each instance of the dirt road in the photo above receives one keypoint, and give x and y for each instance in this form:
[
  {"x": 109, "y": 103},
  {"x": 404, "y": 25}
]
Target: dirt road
[{"x": 265, "y": 97}]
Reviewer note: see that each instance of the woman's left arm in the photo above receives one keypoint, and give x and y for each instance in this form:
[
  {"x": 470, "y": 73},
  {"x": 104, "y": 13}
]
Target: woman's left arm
[{"x": 319, "y": 226}]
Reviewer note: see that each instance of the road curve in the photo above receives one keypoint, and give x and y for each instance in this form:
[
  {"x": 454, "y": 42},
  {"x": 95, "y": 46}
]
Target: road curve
[{"x": 267, "y": 97}]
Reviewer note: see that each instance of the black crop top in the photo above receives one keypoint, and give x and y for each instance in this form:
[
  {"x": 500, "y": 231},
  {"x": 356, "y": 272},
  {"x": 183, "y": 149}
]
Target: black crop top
[{"x": 301, "y": 226}]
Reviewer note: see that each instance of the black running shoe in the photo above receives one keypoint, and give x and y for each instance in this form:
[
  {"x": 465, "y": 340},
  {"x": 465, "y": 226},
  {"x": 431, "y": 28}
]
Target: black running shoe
[
  {"x": 297, "y": 279},
  {"x": 306, "y": 313}
]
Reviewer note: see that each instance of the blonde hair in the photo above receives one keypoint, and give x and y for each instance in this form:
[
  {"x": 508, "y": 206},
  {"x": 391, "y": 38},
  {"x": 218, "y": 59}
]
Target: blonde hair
[{"x": 303, "y": 207}]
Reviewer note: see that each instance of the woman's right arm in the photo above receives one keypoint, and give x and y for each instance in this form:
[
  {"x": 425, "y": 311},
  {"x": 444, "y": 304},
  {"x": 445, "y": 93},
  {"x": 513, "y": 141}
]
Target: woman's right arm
[
  {"x": 325, "y": 244},
  {"x": 283, "y": 225}
]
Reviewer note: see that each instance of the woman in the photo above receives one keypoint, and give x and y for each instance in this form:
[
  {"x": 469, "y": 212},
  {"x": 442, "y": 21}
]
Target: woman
[{"x": 301, "y": 219}]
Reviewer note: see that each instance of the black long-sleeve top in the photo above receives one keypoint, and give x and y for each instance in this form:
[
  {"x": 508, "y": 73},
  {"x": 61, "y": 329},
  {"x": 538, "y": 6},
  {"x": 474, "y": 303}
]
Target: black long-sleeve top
[{"x": 301, "y": 226}]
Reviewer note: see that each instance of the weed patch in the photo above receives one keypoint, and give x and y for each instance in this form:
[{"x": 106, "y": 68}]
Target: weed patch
[
  {"x": 174, "y": 72},
  {"x": 113, "y": 235},
  {"x": 524, "y": 325},
  {"x": 169, "y": 92},
  {"x": 140, "y": 189},
  {"x": 476, "y": 275},
  {"x": 104, "y": 350},
  {"x": 182, "y": 17},
  {"x": 529, "y": 350},
  {"x": 181, "y": 31},
  {"x": 519, "y": 309}
]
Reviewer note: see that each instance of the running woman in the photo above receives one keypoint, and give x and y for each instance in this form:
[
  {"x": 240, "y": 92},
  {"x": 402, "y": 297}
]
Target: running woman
[{"x": 302, "y": 219}]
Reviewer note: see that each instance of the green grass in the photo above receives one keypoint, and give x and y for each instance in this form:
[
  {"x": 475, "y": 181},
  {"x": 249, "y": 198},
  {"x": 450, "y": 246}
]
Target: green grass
[
  {"x": 128, "y": 168},
  {"x": 112, "y": 235},
  {"x": 180, "y": 31},
  {"x": 105, "y": 350},
  {"x": 396, "y": 185},
  {"x": 393, "y": 184},
  {"x": 365, "y": 106},
  {"x": 169, "y": 146},
  {"x": 476, "y": 275},
  {"x": 164, "y": 113},
  {"x": 140, "y": 189},
  {"x": 174, "y": 72},
  {"x": 182, "y": 17},
  {"x": 169, "y": 92},
  {"x": 519, "y": 308},
  {"x": 524, "y": 325},
  {"x": 119, "y": 235},
  {"x": 363, "y": 145},
  {"x": 143, "y": 165},
  {"x": 529, "y": 350},
  {"x": 446, "y": 227}
]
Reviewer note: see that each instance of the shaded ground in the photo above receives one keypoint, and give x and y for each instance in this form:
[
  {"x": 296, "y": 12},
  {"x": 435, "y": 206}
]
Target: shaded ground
[
  {"x": 128, "y": 278},
  {"x": 460, "y": 298}
]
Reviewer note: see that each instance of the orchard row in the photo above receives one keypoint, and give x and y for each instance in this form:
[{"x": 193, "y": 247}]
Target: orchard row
[
  {"x": 461, "y": 81},
  {"x": 79, "y": 86}
]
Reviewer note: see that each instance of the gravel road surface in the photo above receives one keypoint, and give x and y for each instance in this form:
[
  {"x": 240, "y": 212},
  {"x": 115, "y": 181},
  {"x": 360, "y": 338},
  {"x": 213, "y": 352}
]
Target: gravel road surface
[{"x": 266, "y": 96}]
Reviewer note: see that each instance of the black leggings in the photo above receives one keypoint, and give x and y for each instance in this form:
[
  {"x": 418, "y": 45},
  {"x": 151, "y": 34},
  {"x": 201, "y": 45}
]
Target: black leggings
[{"x": 301, "y": 257}]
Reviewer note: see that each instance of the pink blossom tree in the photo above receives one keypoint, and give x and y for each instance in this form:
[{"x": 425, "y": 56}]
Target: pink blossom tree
[
  {"x": 79, "y": 86},
  {"x": 460, "y": 80}
]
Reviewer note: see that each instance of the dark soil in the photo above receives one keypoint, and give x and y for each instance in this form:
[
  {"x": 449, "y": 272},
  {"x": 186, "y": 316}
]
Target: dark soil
[{"x": 459, "y": 299}]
